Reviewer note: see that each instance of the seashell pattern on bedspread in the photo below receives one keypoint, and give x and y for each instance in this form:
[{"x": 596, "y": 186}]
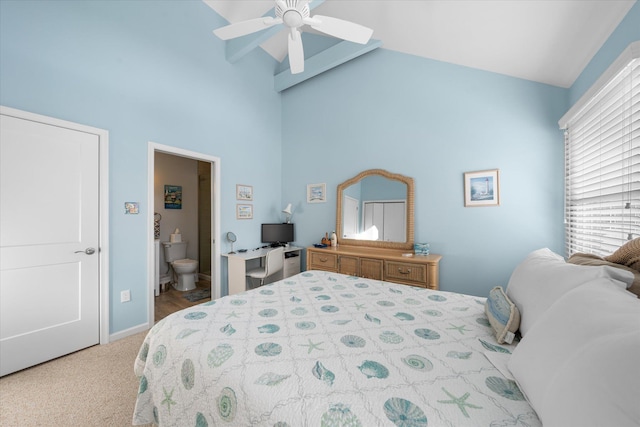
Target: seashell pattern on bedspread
[{"x": 325, "y": 349}]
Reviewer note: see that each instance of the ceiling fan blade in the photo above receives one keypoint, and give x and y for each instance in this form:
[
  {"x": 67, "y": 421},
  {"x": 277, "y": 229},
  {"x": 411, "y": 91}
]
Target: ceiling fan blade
[
  {"x": 243, "y": 28},
  {"x": 296, "y": 52},
  {"x": 339, "y": 28}
]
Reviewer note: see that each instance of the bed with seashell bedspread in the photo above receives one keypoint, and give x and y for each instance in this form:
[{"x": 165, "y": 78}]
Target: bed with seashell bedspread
[{"x": 325, "y": 349}]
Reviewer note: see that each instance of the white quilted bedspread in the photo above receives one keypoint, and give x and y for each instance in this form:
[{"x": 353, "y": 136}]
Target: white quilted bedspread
[{"x": 325, "y": 349}]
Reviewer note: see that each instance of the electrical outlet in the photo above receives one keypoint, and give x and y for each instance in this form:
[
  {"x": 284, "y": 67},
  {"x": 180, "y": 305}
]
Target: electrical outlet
[{"x": 125, "y": 296}]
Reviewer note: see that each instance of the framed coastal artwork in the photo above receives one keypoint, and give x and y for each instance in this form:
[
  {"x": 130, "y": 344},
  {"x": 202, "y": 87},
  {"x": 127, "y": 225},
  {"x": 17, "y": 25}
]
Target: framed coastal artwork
[
  {"x": 482, "y": 188},
  {"x": 317, "y": 193},
  {"x": 173, "y": 196},
  {"x": 131, "y": 208},
  {"x": 244, "y": 192},
  {"x": 244, "y": 211}
]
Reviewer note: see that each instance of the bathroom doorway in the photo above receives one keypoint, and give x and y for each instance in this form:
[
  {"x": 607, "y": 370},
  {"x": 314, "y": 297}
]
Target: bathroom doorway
[
  {"x": 204, "y": 220},
  {"x": 196, "y": 217}
]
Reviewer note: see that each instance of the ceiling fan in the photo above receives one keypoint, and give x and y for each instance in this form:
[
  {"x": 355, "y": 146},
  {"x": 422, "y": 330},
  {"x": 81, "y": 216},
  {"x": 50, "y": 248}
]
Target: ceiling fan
[{"x": 294, "y": 14}]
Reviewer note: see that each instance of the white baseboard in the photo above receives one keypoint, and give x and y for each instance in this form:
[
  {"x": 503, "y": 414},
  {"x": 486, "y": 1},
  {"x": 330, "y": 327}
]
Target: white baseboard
[{"x": 128, "y": 332}]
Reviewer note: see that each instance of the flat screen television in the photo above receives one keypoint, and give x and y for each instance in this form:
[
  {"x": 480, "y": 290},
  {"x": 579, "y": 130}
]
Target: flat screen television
[{"x": 277, "y": 234}]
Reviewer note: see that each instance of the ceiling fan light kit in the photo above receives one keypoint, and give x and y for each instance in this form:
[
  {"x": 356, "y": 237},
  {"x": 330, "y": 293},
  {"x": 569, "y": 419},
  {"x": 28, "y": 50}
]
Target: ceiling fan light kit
[{"x": 294, "y": 14}]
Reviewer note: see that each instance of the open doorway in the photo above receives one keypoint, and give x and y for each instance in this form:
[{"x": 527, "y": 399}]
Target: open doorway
[
  {"x": 204, "y": 220},
  {"x": 195, "y": 179}
]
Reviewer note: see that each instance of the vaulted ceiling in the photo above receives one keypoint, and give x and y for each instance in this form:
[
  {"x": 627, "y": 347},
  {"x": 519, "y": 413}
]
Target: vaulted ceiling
[{"x": 547, "y": 41}]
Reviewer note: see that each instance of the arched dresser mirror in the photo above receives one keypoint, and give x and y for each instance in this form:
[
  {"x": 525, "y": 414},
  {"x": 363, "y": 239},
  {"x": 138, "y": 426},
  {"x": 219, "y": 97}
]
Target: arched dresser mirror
[
  {"x": 375, "y": 226},
  {"x": 375, "y": 209}
]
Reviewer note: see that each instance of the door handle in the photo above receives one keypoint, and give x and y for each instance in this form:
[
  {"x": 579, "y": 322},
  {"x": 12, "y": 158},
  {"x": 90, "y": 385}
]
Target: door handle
[{"x": 88, "y": 251}]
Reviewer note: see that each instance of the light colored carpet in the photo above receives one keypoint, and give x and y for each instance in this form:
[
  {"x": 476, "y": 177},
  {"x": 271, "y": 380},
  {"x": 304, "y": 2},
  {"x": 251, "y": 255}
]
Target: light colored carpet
[{"x": 92, "y": 387}]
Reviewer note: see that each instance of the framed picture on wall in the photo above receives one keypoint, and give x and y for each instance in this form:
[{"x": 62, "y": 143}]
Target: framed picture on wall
[
  {"x": 482, "y": 188},
  {"x": 131, "y": 208},
  {"x": 317, "y": 193},
  {"x": 244, "y": 211},
  {"x": 244, "y": 192},
  {"x": 173, "y": 196}
]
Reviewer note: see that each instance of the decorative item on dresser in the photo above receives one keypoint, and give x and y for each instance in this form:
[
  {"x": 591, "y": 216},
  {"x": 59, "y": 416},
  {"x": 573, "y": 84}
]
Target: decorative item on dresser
[{"x": 376, "y": 243}]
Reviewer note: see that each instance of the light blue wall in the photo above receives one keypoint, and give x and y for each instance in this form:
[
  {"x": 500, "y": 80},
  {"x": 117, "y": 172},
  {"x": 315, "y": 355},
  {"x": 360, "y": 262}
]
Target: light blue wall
[
  {"x": 152, "y": 71},
  {"x": 147, "y": 71},
  {"x": 627, "y": 32},
  {"x": 434, "y": 121},
  {"x": 379, "y": 188}
]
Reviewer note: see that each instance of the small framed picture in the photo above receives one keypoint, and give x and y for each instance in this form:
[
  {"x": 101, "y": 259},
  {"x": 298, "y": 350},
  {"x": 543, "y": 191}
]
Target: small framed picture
[
  {"x": 131, "y": 208},
  {"x": 173, "y": 196},
  {"x": 244, "y": 211},
  {"x": 317, "y": 193},
  {"x": 482, "y": 188},
  {"x": 244, "y": 192}
]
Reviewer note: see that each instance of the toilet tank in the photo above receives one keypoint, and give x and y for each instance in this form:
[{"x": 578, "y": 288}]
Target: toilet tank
[{"x": 174, "y": 251}]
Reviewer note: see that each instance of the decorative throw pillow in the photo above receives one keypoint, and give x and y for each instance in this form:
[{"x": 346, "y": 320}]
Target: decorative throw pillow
[
  {"x": 591, "y": 259},
  {"x": 544, "y": 276},
  {"x": 627, "y": 254},
  {"x": 503, "y": 315},
  {"x": 578, "y": 365}
]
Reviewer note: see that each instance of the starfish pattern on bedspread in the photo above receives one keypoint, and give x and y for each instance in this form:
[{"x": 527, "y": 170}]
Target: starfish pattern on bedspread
[
  {"x": 312, "y": 346},
  {"x": 460, "y": 329},
  {"x": 168, "y": 400},
  {"x": 460, "y": 401}
]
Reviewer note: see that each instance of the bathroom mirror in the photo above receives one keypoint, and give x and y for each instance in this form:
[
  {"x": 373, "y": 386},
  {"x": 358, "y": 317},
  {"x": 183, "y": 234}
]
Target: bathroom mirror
[
  {"x": 231, "y": 237},
  {"x": 375, "y": 208}
]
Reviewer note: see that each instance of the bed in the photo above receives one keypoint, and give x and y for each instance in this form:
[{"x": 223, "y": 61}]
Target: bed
[{"x": 327, "y": 349}]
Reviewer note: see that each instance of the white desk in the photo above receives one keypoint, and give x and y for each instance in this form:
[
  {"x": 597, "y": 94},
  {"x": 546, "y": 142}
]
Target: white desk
[{"x": 237, "y": 264}]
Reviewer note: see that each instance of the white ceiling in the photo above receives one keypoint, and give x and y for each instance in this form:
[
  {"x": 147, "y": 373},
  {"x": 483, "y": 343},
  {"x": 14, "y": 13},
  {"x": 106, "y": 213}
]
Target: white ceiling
[{"x": 547, "y": 41}]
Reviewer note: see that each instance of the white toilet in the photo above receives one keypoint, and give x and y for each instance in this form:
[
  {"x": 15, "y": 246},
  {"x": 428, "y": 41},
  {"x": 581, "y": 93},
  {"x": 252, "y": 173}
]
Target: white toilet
[{"x": 185, "y": 269}]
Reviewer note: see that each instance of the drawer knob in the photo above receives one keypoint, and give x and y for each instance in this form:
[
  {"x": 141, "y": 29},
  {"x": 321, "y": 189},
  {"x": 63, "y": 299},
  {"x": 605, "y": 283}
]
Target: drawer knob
[
  {"x": 323, "y": 259},
  {"x": 407, "y": 271}
]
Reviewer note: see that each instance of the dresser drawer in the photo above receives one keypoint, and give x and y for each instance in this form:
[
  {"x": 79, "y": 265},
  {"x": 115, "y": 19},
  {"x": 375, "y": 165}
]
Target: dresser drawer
[
  {"x": 371, "y": 268},
  {"x": 413, "y": 274},
  {"x": 322, "y": 261},
  {"x": 348, "y": 265}
]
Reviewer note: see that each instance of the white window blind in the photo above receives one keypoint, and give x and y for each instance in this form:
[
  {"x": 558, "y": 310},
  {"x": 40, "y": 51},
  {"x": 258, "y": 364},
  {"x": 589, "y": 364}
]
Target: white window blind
[{"x": 602, "y": 167}]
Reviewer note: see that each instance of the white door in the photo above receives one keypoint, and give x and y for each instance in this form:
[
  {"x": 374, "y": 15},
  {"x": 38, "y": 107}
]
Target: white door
[
  {"x": 49, "y": 242},
  {"x": 350, "y": 217},
  {"x": 394, "y": 222},
  {"x": 374, "y": 217},
  {"x": 389, "y": 219}
]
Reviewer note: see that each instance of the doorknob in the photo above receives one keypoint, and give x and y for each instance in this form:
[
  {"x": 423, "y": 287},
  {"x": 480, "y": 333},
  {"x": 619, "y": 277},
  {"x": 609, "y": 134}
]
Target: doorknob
[{"x": 88, "y": 251}]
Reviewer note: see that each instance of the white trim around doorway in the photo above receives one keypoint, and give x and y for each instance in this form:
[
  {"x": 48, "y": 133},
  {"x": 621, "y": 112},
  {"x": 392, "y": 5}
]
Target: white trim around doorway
[{"x": 215, "y": 219}]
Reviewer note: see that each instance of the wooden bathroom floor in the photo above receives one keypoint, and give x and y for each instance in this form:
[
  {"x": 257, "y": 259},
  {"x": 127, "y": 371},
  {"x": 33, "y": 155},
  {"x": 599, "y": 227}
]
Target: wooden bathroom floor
[{"x": 171, "y": 300}]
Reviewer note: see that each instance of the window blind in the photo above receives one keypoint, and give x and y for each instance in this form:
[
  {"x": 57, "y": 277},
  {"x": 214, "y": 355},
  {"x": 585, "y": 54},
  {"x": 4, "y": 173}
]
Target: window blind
[{"x": 602, "y": 167}]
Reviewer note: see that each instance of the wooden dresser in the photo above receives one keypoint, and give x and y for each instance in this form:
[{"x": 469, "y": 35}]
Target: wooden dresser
[{"x": 378, "y": 264}]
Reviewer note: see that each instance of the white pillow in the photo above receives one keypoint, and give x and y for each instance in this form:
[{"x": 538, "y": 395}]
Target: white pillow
[
  {"x": 544, "y": 276},
  {"x": 578, "y": 365}
]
